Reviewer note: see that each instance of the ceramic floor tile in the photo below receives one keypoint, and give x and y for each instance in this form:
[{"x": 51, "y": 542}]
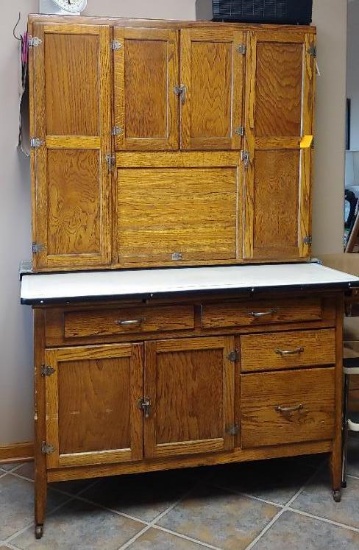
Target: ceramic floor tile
[
  {"x": 155, "y": 539},
  {"x": 80, "y": 526},
  {"x": 17, "y": 504},
  {"x": 317, "y": 499},
  {"x": 223, "y": 519},
  {"x": 272, "y": 480},
  {"x": 142, "y": 496},
  {"x": 299, "y": 532}
]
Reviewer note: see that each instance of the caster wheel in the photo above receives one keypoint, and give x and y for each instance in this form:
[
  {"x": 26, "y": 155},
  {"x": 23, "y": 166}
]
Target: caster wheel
[
  {"x": 39, "y": 530},
  {"x": 337, "y": 496}
]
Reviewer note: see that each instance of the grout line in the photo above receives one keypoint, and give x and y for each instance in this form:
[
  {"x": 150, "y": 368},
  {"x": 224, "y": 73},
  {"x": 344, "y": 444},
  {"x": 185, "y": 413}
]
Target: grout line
[
  {"x": 284, "y": 509},
  {"x": 324, "y": 520}
]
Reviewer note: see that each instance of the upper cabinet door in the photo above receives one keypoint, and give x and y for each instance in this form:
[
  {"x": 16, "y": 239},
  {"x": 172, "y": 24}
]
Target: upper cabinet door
[
  {"x": 146, "y": 74},
  {"x": 278, "y": 155},
  {"x": 211, "y": 92},
  {"x": 70, "y": 93}
]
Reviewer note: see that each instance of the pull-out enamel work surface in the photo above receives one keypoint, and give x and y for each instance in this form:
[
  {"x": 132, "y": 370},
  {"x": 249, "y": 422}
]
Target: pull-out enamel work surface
[{"x": 49, "y": 287}]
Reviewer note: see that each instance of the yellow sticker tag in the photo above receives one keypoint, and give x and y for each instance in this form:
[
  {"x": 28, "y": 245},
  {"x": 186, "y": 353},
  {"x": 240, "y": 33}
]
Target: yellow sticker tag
[{"x": 306, "y": 142}]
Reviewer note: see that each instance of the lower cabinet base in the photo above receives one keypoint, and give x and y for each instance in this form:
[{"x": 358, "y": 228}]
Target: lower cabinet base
[{"x": 140, "y": 385}]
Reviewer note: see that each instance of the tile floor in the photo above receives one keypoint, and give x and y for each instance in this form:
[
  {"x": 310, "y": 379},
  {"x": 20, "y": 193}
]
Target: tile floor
[{"x": 270, "y": 505}]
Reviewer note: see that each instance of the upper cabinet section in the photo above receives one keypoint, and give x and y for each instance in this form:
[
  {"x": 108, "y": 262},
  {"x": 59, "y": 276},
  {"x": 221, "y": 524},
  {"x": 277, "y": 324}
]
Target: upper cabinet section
[
  {"x": 169, "y": 143},
  {"x": 178, "y": 89}
]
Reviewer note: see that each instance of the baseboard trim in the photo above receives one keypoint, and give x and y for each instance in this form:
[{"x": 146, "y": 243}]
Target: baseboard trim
[{"x": 18, "y": 452}]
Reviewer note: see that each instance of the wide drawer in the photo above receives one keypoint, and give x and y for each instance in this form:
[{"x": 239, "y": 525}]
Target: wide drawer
[
  {"x": 287, "y": 350},
  {"x": 287, "y": 407},
  {"x": 263, "y": 312},
  {"x": 109, "y": 322}
]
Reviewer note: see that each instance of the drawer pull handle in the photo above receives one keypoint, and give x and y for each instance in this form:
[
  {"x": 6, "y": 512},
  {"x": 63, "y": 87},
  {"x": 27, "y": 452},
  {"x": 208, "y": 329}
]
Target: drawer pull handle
[
  {"x": 283, "y": 352},
  {"x": 257, "y": 314},
  {"x": 285, "y": 410},
  {"x": 129, "y": 322}
]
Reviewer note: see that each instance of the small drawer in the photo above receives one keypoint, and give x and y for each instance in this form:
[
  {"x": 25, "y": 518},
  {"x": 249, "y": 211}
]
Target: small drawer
[
  {"x": 287, "y": 407},
  {"x": 258, "y": 313},
  {"x": 111, "y": 322},
  {"x": 287, "y": 350}
]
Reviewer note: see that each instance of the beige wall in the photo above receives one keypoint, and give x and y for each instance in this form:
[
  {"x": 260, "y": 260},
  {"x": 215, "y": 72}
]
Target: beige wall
[{"x": 16, "y": 411}]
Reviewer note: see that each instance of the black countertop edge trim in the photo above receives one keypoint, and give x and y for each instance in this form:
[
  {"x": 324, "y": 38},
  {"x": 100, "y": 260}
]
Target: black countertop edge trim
[{"x": 199, "y": 292}]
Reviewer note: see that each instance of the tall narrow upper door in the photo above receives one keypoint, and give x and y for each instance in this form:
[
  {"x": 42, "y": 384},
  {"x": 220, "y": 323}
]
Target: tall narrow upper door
[
  {"x": 146, "y": 76},
  {"x": 278, "y": 135},
  {"x": 211, "y": 88},
  {"x": 70, "y": 93}
]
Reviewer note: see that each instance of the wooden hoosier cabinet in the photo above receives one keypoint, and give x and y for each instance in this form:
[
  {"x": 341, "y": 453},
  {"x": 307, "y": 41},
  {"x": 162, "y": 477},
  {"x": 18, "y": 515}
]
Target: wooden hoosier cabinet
[{"x": 181, "y": 145}]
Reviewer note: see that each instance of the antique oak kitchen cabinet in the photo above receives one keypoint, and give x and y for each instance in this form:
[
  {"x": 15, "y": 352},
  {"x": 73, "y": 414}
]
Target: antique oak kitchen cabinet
[{"x": 178, "y": 319}]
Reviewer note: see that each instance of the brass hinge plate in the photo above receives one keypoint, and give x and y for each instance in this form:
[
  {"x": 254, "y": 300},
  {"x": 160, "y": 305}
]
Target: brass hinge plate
[
  {"x": 35, "y": 143},
  {"x": 117, "y": 131},
  {"x": 233, "y": 430},
  {"x": 37, "y": 247},
  {"x": 239, "y": 131},
  {"x": 34, "y": 41},
  {"x": 312, "y": 50},
  {"x": 307, "y": 239},
  {"x": 47, "y": 449},
  {"x": 233, "y": 356},
  {"x": 46, "y": 370},
  {"x": 242, "y": 49}
]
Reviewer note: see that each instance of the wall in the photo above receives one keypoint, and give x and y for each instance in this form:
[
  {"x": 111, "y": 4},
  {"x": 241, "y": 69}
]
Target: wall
[
  {"x": 16, "y": 411},
  {"x": 352, "y": 71}
]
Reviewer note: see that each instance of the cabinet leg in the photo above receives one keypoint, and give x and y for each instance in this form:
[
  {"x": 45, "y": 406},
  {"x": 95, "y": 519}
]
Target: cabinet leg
[
  {"x": 40, "y": 502},
  {"x": 336, "y": 474}
]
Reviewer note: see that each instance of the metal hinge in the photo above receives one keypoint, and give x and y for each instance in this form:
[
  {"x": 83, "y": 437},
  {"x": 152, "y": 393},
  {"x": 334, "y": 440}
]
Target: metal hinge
[
  {"x": 242, "y": 49},
  {"x": 145, "y": 405},
  {"x": 111, "y": 162},
  {"x": 233, "y": 430},
  {"x": 116, "y": 45},
  {"x": 47, "y": 449},
  {"x": 233, "y": 356},
  {"x": 36, "y": 142},
  {"x": 245, "y": 158},
  {"x": 307, "y": 239},
  {"x": 117, "y": 131},
  {"x": 46, "y": 370},
  {"x": 34, "y": 41},
  {"x": 312, "y": 50},
  {"x": 239, "y": 131},
  {"x": 37, "y": 247}
]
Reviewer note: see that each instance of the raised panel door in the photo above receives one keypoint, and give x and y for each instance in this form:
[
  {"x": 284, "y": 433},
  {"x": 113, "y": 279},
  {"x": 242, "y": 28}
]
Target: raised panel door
[
  {"x": 91, "y": 404},
  {"x": 212, "y": 73},
  {"x": 279, "y": 128},
  {"x": 145, "y": 77},
  {"x": 190, "y": 384},
  {"x": 70, "y": 91}
]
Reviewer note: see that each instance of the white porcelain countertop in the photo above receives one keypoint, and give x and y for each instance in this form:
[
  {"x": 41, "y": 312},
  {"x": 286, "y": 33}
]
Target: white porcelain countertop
[{"x": 41, "y": 288}]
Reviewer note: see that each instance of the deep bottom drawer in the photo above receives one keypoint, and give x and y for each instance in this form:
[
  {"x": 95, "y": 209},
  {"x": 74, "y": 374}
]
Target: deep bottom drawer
[{"x": 287, "y": 407}]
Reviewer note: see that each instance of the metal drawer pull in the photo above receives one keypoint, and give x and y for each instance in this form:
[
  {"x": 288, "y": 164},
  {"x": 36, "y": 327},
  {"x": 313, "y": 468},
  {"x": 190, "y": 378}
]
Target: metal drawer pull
[
  {"x": 257, "y": 314},
  {"x": 281, "y": 409},
  {"x": 129, "y": 322},
  {"x": 289, "y": 351}
]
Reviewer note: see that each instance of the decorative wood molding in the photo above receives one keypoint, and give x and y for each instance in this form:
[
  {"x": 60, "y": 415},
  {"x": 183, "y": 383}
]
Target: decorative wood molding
[{"x": 18, "y": 452}]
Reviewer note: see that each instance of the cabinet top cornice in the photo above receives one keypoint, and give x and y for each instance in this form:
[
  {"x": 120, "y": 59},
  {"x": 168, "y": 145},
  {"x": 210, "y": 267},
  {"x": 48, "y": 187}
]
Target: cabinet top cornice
[{"x": 161, "y": 23}]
